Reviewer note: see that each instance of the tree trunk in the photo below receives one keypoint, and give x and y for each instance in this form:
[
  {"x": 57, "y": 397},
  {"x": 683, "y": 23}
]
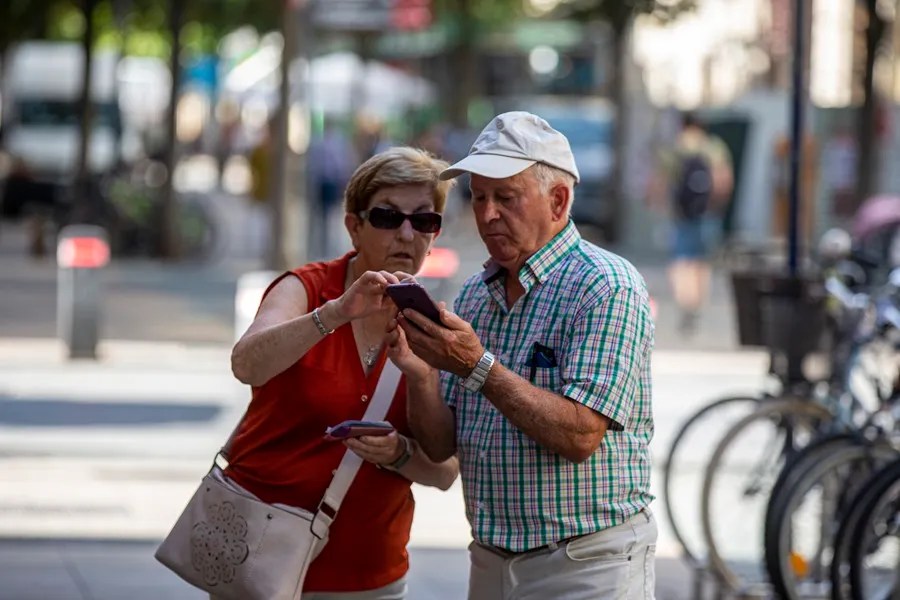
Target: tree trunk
[
  {"x": 120, "y": 10},
  {"x": 620, "y": 130},
  {"x": 462, "y": 61},
  {"x": 278, "y": 251},
  {"x": 6, "y": 39},
  {"x": 170, "y": 247},
  {"x": 82, "y": 200},
  {"x": 867, "y": 155}
]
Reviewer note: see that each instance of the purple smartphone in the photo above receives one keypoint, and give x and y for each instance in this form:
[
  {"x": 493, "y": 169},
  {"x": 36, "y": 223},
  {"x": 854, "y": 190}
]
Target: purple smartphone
[
  {"x": 410, "y": 294},
  {"x": 354, "y": 428}
]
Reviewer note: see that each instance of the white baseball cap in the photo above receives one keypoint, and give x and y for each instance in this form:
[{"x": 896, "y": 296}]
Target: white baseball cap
[{"x": 511, "y": 143}]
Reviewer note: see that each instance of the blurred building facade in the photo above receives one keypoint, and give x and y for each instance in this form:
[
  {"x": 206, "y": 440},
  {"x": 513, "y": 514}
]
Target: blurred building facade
[{"x": 400, "y": 68}]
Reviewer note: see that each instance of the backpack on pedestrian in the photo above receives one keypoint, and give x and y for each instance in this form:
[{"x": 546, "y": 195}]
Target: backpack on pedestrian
[{"x": 693, "y": 190}]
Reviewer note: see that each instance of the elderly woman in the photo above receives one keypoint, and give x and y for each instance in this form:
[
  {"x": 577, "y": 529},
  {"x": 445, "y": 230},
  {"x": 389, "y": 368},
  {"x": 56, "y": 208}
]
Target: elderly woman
[{"x": 313, "y": 356}]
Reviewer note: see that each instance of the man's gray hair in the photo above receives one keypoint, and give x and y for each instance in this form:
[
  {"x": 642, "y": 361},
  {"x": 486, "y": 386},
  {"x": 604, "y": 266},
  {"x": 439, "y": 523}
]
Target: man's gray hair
[{"x": 549, "y": 176}]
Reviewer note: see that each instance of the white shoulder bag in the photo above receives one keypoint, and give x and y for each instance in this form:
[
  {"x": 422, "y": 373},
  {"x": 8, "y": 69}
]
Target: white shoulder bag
[{"x": 236, "y": 547}]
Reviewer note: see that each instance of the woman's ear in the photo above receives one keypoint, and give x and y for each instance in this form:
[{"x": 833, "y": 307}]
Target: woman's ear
[{"x": 353, "y": 224}]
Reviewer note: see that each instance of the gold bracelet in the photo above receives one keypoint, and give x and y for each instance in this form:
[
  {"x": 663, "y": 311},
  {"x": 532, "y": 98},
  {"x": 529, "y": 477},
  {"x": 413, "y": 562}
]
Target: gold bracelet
[{"x": 319, "y": 324}]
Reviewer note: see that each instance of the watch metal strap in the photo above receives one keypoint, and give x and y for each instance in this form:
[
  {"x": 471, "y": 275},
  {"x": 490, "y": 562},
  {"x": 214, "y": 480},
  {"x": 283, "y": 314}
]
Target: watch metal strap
[{"x": 475, "y": 381}]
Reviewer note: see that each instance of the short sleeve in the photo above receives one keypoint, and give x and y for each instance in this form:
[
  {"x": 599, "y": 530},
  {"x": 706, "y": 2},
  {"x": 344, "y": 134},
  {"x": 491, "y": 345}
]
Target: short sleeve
[{"x": 606, "y": 352}]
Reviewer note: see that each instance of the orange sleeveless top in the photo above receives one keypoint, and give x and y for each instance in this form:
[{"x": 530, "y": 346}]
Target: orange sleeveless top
[{"x": 280, "y": 455}]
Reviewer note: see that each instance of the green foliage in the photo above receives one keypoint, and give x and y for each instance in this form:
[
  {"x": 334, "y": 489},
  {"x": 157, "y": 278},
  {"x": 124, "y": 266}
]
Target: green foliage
[
  {"x": 65, "y": 22},
  {"x": 619, "y": 13},
  {"x": 22, "y": 19},
  {"x": 471, "y": 17},
  {"x": 498, "y": 12},
  {"x": 145, "y": 30}
]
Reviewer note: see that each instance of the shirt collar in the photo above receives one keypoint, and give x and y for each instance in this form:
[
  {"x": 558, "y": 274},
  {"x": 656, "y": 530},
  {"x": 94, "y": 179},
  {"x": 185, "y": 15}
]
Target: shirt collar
[{"x": 543, "y": 262}]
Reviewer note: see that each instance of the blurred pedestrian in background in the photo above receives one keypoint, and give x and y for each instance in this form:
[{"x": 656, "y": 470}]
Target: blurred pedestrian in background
[
  {"x": 331, "y": 162},
  {"x": 371, "y": 137},
  {"x": 693, "y": 185},
  {"x": 314, "y": 355},
  {"x": 260, "y": 161},
  {"x": 544, "y": 384}
]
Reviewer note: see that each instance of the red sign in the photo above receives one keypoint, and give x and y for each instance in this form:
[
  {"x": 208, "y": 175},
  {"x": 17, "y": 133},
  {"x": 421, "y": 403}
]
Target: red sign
[
  {"x": 440, "y": 264},
  {"x": 82, "y": 253},
  {"x": 410, "y": 15}
]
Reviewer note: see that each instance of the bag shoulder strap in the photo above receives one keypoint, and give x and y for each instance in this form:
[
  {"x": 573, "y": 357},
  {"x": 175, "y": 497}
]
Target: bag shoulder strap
[{"x": 350, "y": 463}]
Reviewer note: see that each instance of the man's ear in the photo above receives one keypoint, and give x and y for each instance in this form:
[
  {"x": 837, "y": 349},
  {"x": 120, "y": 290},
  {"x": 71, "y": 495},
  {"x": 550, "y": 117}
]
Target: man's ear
[{"x": 560, "y": 198}]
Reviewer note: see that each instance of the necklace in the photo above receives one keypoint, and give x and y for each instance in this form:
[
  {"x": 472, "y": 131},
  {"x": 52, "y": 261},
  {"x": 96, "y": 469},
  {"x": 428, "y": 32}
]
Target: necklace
[
  {"x": 372, "y": 350},
  {"x": 372, "y": 355}
]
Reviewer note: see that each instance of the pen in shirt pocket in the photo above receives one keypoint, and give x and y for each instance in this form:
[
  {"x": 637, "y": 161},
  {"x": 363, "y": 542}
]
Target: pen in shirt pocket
[{"x": 541, "y": 356}]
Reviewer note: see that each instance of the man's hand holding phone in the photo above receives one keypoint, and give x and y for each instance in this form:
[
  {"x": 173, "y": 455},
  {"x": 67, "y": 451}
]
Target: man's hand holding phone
[
  {"x": 410, "y": 294},
  {"x": 453, "y": 346}
]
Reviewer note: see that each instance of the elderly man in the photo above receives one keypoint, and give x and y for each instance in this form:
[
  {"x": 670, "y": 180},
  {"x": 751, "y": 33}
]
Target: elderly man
[{"x": 544, "y": 384}]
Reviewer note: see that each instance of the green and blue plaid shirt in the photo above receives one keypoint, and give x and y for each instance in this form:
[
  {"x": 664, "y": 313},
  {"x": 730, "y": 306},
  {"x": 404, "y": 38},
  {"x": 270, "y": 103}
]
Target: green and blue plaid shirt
[{"x": 591, "y": 308}]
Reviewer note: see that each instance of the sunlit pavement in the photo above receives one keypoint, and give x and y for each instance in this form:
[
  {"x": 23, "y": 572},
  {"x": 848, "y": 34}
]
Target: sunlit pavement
[{"x": 88, "y": 470}]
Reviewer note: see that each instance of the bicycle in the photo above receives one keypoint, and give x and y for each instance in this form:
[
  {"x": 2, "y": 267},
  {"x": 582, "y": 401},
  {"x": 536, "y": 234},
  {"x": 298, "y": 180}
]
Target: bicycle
[
  {"x": 812, "y": 493},
  {"x": 745, "y": 465}
]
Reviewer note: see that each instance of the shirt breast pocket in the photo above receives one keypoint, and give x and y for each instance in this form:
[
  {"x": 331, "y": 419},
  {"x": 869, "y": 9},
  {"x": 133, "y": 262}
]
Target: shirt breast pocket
[
  {"x": 542, "y": 367},
  {"x": 546, "y": 378}
]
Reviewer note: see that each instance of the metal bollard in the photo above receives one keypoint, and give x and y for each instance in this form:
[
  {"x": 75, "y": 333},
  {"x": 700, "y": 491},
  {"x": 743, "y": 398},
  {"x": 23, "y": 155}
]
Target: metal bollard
[
  {"x": 81, "y": 253},
  {"x": 250, "y": 288}
]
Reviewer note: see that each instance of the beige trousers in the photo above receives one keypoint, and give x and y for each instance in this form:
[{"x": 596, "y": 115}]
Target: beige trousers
[{"x": 613, "y": 564}]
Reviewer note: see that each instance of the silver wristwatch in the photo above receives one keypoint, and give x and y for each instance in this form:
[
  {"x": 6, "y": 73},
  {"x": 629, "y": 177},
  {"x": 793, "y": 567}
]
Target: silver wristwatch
[{"x": 479, "y": 374}]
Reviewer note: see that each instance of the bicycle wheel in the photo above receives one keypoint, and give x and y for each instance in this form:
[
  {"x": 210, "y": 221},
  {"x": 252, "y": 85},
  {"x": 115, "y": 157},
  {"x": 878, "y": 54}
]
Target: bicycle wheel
[
  {"x": 875, "y": 549},
  {"x": 685, "y": 461},
  {"x": 840, "y": 561},
  {"x": 793, "y": 471},
  {"x": 800, "y": 551},
  {"x": 740, "y": 475}
]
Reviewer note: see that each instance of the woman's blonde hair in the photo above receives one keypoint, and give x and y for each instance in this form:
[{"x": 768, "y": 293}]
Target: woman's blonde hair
[{"x": 395, "y": 167}]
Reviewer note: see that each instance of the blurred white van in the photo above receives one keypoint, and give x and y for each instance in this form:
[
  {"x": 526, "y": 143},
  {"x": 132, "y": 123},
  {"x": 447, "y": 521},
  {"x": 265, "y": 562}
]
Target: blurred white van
[{"x": 41, "y": 119}]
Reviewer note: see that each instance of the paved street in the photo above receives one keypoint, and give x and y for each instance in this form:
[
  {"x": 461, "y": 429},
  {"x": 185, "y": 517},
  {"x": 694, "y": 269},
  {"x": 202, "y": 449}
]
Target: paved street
[{"x": 97, "y": 458}]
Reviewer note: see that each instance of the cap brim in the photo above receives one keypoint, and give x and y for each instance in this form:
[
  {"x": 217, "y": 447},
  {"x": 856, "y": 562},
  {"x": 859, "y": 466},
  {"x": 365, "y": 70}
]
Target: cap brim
[{"x": 492, "y": 166}]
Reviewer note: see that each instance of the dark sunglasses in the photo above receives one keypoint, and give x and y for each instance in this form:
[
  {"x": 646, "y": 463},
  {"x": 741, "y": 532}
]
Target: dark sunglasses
[{"x": 388, "y": 218}]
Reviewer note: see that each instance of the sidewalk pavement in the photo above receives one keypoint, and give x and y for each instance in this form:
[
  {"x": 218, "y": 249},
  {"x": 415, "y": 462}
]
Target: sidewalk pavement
[
  {"x": 84, "y": 499},
  {"x": 115, "y": 570}
]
